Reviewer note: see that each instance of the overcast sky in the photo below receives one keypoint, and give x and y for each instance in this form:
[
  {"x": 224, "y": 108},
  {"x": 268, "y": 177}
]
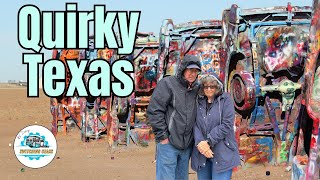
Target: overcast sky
[{"x": 152, "y": 14}]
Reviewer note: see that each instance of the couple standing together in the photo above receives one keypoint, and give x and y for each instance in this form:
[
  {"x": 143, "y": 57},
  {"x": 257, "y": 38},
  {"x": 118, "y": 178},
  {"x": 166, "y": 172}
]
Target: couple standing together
[{"x": 191, "y": 119}]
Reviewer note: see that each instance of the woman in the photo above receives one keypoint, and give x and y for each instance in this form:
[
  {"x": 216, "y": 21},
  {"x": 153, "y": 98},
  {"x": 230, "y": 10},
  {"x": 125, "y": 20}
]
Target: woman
[{"x": 216, "y": 151}]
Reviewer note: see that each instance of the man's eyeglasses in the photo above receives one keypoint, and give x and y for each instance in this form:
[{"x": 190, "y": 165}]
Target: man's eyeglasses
[
  {"x": 193, "y": 70},
  {"x": 211, "y": 87}
]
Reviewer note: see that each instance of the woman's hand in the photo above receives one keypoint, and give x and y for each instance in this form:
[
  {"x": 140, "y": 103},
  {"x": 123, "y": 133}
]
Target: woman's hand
[
  {"x": 204, "y": 149},
  {"x": 208, "y": 154}
]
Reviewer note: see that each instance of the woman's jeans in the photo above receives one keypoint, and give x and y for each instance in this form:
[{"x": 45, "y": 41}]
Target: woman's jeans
[
  {"x": 208, "y": 173},
  {"x": 172, "y": 163}
]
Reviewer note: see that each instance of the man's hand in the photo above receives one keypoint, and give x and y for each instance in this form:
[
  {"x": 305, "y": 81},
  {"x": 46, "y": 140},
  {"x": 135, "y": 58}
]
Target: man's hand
[{"x": 165, "y": 141}]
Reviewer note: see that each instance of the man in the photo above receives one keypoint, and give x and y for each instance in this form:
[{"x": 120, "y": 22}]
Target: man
[{"x": 171, "y": 113}]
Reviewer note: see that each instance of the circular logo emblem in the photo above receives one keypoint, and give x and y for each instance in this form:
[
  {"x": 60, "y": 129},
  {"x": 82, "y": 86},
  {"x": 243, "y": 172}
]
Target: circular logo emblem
[{"x": 35, "y": 146}]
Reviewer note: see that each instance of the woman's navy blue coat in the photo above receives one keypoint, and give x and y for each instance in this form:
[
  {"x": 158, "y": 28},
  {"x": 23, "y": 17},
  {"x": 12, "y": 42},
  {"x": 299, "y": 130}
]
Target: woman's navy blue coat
[{"x": 216, "y": 126}]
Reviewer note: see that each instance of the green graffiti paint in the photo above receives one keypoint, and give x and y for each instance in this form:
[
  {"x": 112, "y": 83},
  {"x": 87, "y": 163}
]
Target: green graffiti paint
[{"x": 283, "y": 152}]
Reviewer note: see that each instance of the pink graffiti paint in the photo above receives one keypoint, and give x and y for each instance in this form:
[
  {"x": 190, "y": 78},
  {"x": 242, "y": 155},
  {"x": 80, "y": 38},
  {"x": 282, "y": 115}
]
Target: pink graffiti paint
[
  {"x": 199, "y": 38},
  {"x": 312, "y": 93},
  {"x": 261, "y": 57}
]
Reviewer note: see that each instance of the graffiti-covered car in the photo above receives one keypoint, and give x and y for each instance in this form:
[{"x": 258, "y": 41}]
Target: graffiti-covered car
[
  {"x": 90, "y": 114},
  {"x": 65, "y": 110},
  {"x": 107, "y": 115},
  {"x": 145, "y": 60},
  {"x": 96, "y": 113},
  {"x": 265, "y": 51},
  {"x": 306, "y": 161},
  {"x": 199, "y": 38}
]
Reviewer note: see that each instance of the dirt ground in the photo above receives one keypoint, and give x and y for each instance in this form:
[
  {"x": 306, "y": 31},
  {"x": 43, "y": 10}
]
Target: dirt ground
[{"x": 78, "y": 160}]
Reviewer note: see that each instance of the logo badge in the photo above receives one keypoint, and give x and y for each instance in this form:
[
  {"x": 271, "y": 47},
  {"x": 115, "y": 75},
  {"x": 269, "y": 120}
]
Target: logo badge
[{"x": 35, "y": 146}]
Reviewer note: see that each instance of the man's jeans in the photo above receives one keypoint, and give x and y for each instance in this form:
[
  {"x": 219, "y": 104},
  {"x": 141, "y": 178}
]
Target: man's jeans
[
  {"x": 172, "y": 163},
  {"x": 208, "y": 173}
]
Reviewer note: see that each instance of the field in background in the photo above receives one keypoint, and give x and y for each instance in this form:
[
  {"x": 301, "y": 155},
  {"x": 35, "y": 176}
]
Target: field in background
[
  {"x": 78, "y": 160},
  {"x": 10, "y": 85}
]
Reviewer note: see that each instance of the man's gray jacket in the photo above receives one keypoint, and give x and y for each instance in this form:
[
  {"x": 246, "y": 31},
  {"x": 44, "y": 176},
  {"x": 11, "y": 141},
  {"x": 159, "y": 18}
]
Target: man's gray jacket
[{"x": 172, "y": 108}]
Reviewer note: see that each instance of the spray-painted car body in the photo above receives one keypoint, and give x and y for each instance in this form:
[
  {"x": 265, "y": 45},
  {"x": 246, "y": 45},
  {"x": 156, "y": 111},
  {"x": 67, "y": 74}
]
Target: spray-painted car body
[
  {"x": 90, "y": 114},
  {"x": 306, "y": 163},
  {"x": 65, "y": 110},
  {"x": 97, "y": 115},
  {"x": 265, "y": 51},
  {"x": 145, "y": 59},
  {"x": 199, "y": 38},
  {"x": 96, "y": 112}
]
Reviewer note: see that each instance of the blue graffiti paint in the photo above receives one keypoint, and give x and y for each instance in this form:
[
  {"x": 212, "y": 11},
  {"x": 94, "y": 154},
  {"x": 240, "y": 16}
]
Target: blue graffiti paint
[
  {"x": 260, "y": 114},
  {"x": 274, "y": 23},
  {"x": 267, "y": 141}
]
